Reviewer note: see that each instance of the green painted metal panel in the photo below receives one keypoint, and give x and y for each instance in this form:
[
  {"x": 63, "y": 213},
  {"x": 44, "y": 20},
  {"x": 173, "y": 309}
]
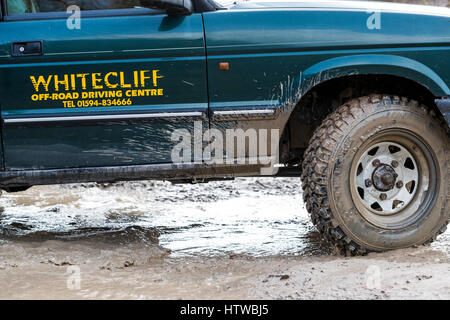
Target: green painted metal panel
[{"x": 119, "y": 65}]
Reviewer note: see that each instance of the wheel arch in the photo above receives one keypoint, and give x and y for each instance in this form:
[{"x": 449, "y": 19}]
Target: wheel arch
[
  {"x": 328, "y": 84},
  {"x": 373, "y": 64}
]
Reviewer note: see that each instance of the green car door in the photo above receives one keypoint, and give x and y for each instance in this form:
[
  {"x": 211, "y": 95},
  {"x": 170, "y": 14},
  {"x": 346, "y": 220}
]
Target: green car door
[{"x": 105, "y": 90}]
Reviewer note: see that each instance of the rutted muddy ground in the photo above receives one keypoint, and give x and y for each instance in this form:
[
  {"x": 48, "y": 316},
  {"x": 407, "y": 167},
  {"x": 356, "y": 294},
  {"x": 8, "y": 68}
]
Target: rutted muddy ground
[{"x": 248, "y": 238}]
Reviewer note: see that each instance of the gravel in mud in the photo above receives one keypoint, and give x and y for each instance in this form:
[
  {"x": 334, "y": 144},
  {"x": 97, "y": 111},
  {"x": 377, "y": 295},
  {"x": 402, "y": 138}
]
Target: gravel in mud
[{"x": 244, "y": 239}]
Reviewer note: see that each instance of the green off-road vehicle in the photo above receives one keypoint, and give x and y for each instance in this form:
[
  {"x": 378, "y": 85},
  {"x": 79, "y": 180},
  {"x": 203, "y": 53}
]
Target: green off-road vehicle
[{"x": 353, "y": 96}]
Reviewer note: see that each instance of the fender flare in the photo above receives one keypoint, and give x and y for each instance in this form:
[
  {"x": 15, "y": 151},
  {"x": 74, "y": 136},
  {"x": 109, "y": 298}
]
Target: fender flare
[{"x": 373, "y": 64}]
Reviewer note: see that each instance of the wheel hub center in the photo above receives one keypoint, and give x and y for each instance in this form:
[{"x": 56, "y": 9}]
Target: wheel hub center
[{"x": 384, "y": 177}]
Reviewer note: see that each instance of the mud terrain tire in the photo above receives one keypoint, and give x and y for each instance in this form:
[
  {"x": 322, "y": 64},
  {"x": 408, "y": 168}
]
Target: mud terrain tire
[{"x": 357, "y": 221}]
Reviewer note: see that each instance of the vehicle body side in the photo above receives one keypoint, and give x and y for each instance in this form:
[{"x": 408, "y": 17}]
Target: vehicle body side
[{"x": 276, "y": 55}]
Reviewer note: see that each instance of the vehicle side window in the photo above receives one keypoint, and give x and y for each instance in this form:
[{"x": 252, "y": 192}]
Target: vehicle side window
[
  {"x": 34, "y": 6},
  {"x": 22, "y": 6}
]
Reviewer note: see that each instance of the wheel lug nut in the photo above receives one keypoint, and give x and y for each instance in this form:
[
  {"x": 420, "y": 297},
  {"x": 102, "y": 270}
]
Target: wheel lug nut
[
  {"x": 399, "y": 184},
  {"x": 394, "y": 163},
  {"x": 368, "y": 183},
  {"x": 376, "y": 163},
  {"x": 383, "y": 196}
]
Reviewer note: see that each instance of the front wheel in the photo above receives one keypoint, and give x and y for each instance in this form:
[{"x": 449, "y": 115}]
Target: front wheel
[{"x": 376, "y": 175}]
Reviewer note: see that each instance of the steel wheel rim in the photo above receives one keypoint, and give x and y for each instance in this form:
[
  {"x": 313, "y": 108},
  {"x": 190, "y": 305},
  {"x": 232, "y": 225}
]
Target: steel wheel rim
[{"x": 402, "y": 203}]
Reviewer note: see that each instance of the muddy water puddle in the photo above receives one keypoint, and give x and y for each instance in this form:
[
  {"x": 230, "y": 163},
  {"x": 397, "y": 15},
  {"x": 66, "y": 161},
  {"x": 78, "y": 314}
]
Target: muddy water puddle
[{"x": 257, "y": 217}]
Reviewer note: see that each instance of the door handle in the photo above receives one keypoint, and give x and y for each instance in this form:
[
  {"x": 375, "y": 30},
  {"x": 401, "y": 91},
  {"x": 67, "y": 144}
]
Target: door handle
[{"x": 27, "y": 48}]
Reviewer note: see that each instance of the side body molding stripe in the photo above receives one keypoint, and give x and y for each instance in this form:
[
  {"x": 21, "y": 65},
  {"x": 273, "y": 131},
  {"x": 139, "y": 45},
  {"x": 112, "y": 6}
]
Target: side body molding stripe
[{"x": 92, "y": 119}]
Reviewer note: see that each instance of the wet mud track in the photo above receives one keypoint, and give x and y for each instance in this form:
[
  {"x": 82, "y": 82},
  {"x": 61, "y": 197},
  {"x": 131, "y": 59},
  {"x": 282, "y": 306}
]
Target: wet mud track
[{"x": 248, "y": 238}]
